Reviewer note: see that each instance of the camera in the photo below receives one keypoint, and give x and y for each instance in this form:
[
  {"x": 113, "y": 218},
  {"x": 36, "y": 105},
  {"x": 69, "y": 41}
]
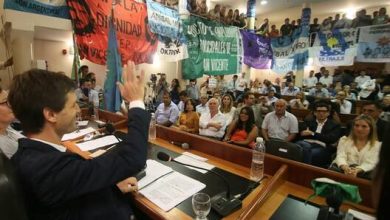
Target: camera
[{"x": 153, "y": 77}]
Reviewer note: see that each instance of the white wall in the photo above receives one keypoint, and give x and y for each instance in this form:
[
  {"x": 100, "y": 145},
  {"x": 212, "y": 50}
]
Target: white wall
[{"x": 51, "y": 51}]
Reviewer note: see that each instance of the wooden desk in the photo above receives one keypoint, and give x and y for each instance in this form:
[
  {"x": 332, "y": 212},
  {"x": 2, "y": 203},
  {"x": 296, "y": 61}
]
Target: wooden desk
[
  {"x": 285, "y": 177},
  {"x": 156, "y": 213}
]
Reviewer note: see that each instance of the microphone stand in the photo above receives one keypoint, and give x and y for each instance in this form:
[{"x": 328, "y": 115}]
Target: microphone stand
[{"x": 222, "y": 203}]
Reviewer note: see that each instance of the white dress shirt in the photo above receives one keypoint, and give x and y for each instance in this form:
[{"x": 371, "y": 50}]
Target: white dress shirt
[
  {"x": 211, "y": 131},
  {"x": 326, "y": 80},
  {"x": 365, "y": 159}
]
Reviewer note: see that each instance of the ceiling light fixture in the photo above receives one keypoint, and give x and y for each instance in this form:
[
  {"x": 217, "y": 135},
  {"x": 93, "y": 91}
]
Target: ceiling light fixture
[{"x": 263, "y": 2}]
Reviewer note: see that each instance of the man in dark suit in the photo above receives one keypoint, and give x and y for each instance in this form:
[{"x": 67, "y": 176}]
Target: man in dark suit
[
  {"x": 373, "y": 109},
  {"x": 61, "y": 185},
  {"x": 318, "y": 135}
]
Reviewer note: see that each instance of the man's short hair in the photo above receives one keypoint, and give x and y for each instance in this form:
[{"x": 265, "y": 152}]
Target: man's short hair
[
  {"x": 247, "y": 94},
  {"x": 375, "y": 103},
  {"x": 321, "y": 104},
  {"x": 34, "y": 90},
  {"x": 183, "y": 93}
]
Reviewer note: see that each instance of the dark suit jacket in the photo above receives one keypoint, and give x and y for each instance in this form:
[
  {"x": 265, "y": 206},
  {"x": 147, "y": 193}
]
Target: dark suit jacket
[
  {"x": 380, "y": 128},
  {"x": 330, "y": 132},
  {"x": 61, "y": 185}
]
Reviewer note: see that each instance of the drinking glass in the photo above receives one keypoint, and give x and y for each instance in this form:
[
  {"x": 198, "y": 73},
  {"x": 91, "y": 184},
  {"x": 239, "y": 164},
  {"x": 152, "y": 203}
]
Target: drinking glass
[{"x": 201, "y": 205}]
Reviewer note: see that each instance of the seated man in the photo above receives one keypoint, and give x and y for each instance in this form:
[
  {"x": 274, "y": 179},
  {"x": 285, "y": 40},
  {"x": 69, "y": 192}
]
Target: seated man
[
  {"x": 61, "y": 185},
  {"x": 290, "y": 90},
  {"x": 345, "y": 105},
  {"x": 319, "y": 91},
  {"x": 167, "y": 112},
  {"x": 318, "y": 134},
  {"x": 202, "y": 107},
  {"x": 271, "y": 99},
  {"x": 212, "y": 123},
  {"x": 183, "y": 99},
  {"x": 82, "y": 93},
  {"x": 280, "y": 123},
  {"x": 8, "y": 136}
]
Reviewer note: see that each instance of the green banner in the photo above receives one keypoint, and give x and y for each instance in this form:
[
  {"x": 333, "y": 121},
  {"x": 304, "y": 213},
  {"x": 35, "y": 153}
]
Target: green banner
[{"x": 213, "y": 48}]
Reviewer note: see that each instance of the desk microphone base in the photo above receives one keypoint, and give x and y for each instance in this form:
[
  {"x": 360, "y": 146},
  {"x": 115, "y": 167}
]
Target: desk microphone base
[{"x": 224, "y": 206}]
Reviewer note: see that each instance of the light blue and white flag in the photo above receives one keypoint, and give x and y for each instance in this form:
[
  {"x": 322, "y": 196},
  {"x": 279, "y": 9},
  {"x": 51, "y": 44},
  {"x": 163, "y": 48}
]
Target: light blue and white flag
[
  {"x": 56, "y": 8},
  {"x": 294, "y": 47},
  {"x": 334, "y": 48},
  {"x": 164, "y": 21},
  {"x": 374, "y": 44}
]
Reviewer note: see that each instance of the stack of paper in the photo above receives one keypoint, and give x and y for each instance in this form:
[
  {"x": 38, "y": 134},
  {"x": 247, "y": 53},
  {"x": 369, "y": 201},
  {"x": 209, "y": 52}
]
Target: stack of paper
[
  {"x": 77, "y": 134},
  {"x": 98, "y": 143},
  {"x": 154, "y": 170},
  {"x": 190, "y": 160},
  {"x": 165, "y": 187}
]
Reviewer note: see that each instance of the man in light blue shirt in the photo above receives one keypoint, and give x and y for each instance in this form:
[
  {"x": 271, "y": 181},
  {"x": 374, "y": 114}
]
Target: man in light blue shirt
[
  {"x": 319, "y": 91},
  {"x": 167, "y": 112}
]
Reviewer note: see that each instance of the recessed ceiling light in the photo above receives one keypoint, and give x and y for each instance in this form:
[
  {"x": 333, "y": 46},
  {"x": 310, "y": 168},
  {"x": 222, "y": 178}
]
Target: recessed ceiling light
[{"x": 263, "y": 2}]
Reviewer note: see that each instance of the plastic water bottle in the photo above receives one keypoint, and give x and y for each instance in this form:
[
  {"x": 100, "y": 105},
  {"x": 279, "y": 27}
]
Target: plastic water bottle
[
  {"x": 257, "y": 168},
  {"x": 152, "y": 128}
]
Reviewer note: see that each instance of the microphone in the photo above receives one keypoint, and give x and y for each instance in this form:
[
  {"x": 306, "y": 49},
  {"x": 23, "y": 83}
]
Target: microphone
[
  {"x": 185, "y": 146},
  {"x": 120, "y": 135},
  {"x": 222, "y": 203},
  {"x": 110, "y": 129}
]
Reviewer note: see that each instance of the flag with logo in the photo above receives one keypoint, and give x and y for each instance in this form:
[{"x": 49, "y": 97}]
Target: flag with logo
[
  {"x": 374, "y": 44},
  {"x": 335, "y": 48},
  {"x": 171, "y": 50},
  {"x": 213, "y": 48},
  {"x": 112, "y": 95},
  {"x": 257, "y": 50},
  {"x": 91, "y": 22}
]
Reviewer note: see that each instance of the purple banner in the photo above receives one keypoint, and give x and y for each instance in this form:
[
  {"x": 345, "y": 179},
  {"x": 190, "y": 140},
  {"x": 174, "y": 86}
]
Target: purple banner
[{"x": 257, "y": 50}]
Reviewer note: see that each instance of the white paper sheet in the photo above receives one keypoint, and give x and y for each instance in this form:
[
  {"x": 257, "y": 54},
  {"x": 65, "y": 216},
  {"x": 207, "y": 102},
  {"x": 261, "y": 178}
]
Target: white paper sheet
[
  {"x": 97, "y": 143},
  {"x": 171, "y": 190},
  {"x": 77, "y": 134},
  {"x": 196, "y": 157},
  {"x": 154, "y": 170},
  {"x": 82, "y": 123},
  {"x": 191, "y": 161}
]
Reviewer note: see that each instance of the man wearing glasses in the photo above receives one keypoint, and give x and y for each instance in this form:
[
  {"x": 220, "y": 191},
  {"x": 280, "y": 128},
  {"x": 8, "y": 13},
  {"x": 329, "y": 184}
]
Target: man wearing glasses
[
  {"x": 319, "y": 133},
  {"x": 8, "y": 136}
]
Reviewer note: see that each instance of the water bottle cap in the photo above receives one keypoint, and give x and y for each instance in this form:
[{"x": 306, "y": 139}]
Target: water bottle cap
[{"x": 259, "y": 139}]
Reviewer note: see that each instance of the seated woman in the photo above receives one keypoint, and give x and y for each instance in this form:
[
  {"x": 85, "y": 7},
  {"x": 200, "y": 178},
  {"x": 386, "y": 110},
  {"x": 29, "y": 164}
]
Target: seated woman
[
  {"x": 189, "y": 118},
  {"x": 299, "y": 102},
  {"x": 8, "y": 136},
  {"x": 243, "y": 131},
  {"x": 357, "y": 154},
  {"x": 227, "y": 108}
]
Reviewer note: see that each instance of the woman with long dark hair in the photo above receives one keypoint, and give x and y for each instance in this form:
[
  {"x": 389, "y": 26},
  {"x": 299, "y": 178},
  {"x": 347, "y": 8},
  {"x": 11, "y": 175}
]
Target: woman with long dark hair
[{"x": 243, "y": 131}]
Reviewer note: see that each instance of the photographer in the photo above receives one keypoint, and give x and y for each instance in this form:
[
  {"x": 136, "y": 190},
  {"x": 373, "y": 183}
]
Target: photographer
[{"x": 161, "y": 87}]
